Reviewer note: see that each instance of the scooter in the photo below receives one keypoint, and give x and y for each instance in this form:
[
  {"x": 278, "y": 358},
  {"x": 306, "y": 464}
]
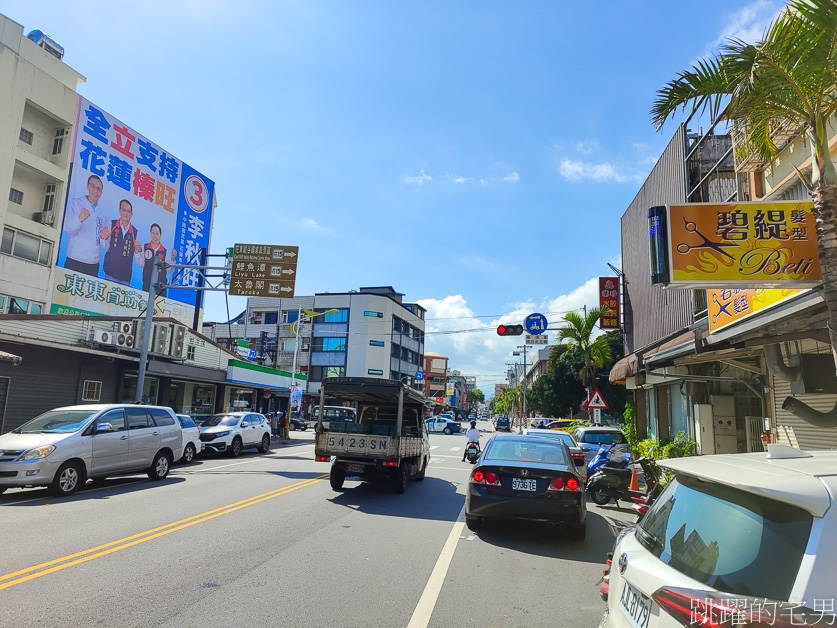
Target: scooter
[
  {"x": 608, "y": 483},
  {"x": 606, "y": 456},
  {"x": 472, "y": 453}
]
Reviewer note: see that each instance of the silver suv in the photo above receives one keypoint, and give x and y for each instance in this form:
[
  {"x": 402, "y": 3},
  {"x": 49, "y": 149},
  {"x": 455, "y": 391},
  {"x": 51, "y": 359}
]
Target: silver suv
[{"x": 64, "y": 447}]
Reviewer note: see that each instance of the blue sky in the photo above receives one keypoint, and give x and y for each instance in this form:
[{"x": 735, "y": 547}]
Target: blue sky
[{"x": 476, "y": 156}]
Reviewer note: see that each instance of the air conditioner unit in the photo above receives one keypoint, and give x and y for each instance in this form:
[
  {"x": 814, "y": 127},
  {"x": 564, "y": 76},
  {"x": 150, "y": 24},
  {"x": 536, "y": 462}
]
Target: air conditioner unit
[
  {"x": 103, "y": 337},
  {"x": 124, "y": 340},
  {"x": 178, "y": 340},
  {"x": 126, "y": 327},
  {"x": 161, "y": 338},
  {"x": 137, "y": 330}
]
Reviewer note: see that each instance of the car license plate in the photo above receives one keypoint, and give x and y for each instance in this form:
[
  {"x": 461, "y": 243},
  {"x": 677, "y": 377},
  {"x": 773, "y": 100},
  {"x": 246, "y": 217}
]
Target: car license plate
[
  {"x": 524, "y": 485},
  {"x": 635, "y": 606},
  {"x": 355, "y": 468}
]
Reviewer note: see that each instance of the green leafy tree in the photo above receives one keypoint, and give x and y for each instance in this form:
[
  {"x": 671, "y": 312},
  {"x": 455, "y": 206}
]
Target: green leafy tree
[
  {"x": 475, "y": 397},
  {"x": 558, "y": 392},
  {"x": 577, "y": 335},
  {"x": 789, "y": 78}
]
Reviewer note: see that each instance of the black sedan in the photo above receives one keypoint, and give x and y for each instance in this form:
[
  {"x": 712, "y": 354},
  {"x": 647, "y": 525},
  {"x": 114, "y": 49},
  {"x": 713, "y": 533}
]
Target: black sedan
[
  {"x": 299, "y": 424},
  {"x": 526, "y": 478}
]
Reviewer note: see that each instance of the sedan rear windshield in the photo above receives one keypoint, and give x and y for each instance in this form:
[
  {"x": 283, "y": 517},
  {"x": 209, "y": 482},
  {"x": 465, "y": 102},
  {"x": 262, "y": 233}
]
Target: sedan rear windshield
[
  {"x": 603, "y": 438},
  {"x": 726, "y": 538},
  {"x": 527, "y": 451},
  {"x": 563, "y": 436},
  {"x": 222, "y": 419},
  {"x": 56, "y": 422}
]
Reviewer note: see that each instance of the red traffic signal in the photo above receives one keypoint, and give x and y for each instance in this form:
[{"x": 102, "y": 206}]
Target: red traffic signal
[{"x": 509, "y": 330}]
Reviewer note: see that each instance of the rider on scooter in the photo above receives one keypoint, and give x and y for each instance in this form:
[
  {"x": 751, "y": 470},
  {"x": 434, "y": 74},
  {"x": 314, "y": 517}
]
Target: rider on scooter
[{"x": 473, "y": 436}]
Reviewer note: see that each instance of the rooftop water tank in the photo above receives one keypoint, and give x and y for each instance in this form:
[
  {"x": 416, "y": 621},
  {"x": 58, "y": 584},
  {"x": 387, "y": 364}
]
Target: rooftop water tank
[{"x": 47, "y": 43}]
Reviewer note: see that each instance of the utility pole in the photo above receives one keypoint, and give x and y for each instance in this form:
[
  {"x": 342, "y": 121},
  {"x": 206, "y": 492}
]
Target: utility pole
[{"x": 523, "y": 418}]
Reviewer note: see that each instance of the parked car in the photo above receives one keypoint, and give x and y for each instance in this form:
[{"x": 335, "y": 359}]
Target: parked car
[
  {"x": 64, "y": 447},
  {"x": 231, "y": 432},
  {"x": 503, "y": 424},
  {"x": 191, "y": 438},
  {"x": 298, "y": 424},
  {"x": 526, "y": 478},
  {"x": 559, "y": 424},
  {"x": 575, "y": 449},
  {"x": 592, "y": 438},
  {"x": 442, "y": 424},
  {"x": 732, "y": 535}
]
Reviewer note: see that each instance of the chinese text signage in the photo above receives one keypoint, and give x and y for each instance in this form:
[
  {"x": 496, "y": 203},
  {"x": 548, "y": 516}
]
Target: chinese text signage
[
  {"x": 129, "y": 204},
  {"x": 730, "y": 305},
  {"x": 609, "y": 302},
  {"x": 261, "y": 270},
  {"x": 744, "y": 245}
]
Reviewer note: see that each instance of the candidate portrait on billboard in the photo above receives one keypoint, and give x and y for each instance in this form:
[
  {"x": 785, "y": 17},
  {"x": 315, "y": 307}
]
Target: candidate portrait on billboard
[{"x": 129, "y": 204}]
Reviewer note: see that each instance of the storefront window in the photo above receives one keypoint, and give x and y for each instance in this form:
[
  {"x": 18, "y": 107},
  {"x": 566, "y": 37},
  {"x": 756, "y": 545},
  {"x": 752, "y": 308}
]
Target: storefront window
[
  {"x": 196, "y": 400},
  {"x": 239, "y": 399},
  {"x": 149, "y": 393}
]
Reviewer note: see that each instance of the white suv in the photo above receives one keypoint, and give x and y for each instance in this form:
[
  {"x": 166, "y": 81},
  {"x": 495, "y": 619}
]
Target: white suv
[
  {"x": 733, "y": 539},
  {"x": 231, "y": 432}
]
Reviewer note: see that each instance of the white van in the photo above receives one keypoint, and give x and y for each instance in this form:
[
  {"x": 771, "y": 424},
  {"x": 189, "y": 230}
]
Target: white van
[{"x": 64, "y": 447}]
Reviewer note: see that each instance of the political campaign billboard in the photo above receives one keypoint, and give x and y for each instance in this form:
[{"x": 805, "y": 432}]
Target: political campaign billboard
[{"x": 129, "y": 203}]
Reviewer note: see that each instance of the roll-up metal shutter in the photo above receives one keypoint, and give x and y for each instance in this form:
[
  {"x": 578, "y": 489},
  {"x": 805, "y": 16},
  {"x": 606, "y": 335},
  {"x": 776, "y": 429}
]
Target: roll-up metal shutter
[{"x": 789, "y": 426}]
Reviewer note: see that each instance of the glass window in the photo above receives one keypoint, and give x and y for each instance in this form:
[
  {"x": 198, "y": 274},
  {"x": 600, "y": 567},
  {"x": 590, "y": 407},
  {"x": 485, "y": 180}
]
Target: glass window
[
  {"x": 229, "y": 420},
  {"x": 161, "y": 417},
  {"x": 58, "y": 142},
  {"x": 116, "y": 418},
  {"x": 726, "y": 538},
  {"x": 270, "y": 318},
  {"x": 545, "y": 453},
  {"x": 91, "y": 390},
  {"x": 16, "y": 196},
  {"x": 186, "y": 421},
  {"x": 43, "y": 257},
  {"x": 138, "y": 418},
  {"x": 341, "y": 316},
  {"x": 18, "y": 306},
  {"x": 27, "y": 246},
  {"x": 290, "y": 316},
  {"x": 374, "y": 314},
  {"x": 376, "y": 343},
  {"x": 329, "y": 344},
  {"x": 35, "y": 308},
  {"x": 375, "y": 372},
  {"x": 319, "y": 373},
  {"x": 247, "y": 421},
  {"x": 56, "y": 422},
  {"x": 26, "y": 136},
  {"x": 8, "y": 238}
]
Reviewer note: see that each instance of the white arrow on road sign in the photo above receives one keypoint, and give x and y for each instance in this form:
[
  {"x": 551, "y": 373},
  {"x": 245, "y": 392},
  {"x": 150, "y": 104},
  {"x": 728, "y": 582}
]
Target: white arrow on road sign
[
  {"x": 290, "y": 254},
  {"x": 288, "y": 271},
  {"x": 596, "y": 401},
  {"x": 286, "y": 289}
]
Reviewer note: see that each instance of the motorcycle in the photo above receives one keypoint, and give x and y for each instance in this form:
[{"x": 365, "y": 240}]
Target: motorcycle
[
  {"x": 606, "y": 456},
  {"x": 472, "y": 453},
  {"x": 610, "y": 483}
]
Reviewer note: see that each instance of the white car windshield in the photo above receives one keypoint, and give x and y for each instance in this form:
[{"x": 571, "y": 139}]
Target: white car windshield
[
  {"x": 222, "y": 419},
  {"x": 56, "y": 422}
]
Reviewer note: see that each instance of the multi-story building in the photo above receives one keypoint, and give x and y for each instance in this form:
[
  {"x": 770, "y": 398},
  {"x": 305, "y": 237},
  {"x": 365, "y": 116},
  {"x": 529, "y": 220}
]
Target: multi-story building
[
  {"x": 471, "y": 381},
  {"x": 458, "y": 386},
  {"x": 39, "y": 108},
  {"x": 436, "y": 376},
  {"x": 374, "y": 333}
]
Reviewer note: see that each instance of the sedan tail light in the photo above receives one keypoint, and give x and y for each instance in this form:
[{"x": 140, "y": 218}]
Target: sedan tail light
[
  {"x": 691, "y": 607},
  {"x": 564, "y": 484},
  {"x": 484, "y": 477}
]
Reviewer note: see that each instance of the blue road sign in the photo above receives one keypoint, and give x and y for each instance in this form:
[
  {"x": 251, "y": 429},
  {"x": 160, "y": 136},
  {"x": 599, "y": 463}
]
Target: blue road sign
[
  {"x": 535, "y": 323},
  {"x": 419, "y": 375},
  {"x": 252, "y": 355}
]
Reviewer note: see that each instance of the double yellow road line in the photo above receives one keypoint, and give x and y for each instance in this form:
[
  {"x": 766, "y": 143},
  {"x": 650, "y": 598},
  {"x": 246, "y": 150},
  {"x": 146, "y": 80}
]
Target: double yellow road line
[{"x": 17, "y": 577}]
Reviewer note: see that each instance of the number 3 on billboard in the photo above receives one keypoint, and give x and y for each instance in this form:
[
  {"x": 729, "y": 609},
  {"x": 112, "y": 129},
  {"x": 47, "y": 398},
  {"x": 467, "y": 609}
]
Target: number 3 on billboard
[{"x": 196, "y": 194}]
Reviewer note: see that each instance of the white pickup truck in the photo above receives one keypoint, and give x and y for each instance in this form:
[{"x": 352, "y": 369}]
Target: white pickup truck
[{"x": 388, "y": 441}]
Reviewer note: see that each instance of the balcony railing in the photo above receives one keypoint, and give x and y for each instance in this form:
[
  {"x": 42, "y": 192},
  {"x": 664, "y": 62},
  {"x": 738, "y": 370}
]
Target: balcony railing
[{"x": 782, "y": 134}]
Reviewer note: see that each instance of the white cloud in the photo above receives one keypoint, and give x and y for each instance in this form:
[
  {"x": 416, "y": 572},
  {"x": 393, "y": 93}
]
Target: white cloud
[
  {"x": 458, "y": 179},
  {"x": 586, "y": 148},
  {"x": 480, "y": 351},
  {"x": 603, "y": 172},
  {"x": 748, "y": 23},
  {"x": 512, "y": 177},
  {"x": 310, "y": 222},
  {"x": 418, "y": 180}
]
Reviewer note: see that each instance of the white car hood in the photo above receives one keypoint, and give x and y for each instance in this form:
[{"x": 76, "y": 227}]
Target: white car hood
[
  {"x": 217, "y": 428},
  {"x": 16, "y": 442}
]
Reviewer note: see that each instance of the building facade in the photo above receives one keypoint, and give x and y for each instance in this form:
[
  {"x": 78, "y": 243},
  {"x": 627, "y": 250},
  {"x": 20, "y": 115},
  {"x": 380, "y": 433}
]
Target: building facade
[
  {"x": 436, "y": 376},
  {"x": 38, "y": 108}
]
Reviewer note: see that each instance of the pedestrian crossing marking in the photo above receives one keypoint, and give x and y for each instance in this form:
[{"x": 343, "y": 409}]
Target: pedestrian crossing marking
[
  {"x": 456, "y": 448},
  {"x": 432, "y": 447}
]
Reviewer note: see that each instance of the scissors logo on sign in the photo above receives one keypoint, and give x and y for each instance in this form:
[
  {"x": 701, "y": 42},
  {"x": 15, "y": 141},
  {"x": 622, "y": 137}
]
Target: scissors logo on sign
[{"x": 718, "y": 247}]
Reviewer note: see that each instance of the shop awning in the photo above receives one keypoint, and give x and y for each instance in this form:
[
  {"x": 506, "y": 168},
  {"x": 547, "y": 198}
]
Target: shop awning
[{"x": 624, "y": 368}]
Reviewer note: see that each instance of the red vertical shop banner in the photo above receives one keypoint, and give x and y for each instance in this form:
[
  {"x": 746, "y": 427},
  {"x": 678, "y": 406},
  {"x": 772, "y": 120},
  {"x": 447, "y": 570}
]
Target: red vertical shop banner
[{"x": 609, "y": 301}]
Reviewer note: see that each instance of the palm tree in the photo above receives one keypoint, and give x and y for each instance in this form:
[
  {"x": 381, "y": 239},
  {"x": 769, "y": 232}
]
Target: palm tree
[
  {"x": 578, "y": 334},
  {"x": 787, "y": 78}
]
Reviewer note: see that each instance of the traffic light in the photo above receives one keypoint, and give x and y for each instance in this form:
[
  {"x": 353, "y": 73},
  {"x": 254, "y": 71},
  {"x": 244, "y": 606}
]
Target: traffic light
[{"x": 510, "y": 330}]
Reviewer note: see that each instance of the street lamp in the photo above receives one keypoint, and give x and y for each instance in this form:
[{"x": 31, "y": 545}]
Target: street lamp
[{"x": 302, "y": 318}]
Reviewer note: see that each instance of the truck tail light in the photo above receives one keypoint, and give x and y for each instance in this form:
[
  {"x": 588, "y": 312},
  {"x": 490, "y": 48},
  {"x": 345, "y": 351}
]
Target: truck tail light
[
  {"x": 323, "y": 458},
  {"x": 390, "y": 463}
]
